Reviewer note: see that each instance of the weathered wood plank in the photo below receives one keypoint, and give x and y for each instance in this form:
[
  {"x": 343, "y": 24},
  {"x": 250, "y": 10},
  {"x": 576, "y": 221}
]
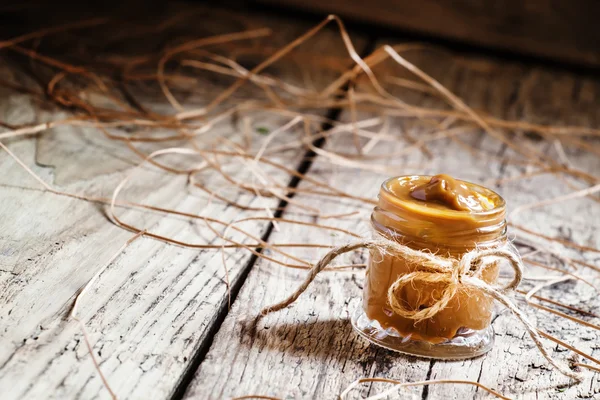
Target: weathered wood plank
[
  {"x": 310, "y": 351},
  {"x": 154, "y": 307}
]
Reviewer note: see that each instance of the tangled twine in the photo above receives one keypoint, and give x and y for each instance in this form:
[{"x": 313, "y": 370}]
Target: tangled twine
[{"x": 456, "y": 274}]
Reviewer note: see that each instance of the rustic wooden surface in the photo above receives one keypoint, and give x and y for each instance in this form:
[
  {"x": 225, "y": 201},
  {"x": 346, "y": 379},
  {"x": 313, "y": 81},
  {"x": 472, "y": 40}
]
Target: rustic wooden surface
[
  {"x": 156, "y": 306},
  {"x": 310, "y": 349},
  {"x": 560, "y": 30},
  {"x": 156, "y": 309}
]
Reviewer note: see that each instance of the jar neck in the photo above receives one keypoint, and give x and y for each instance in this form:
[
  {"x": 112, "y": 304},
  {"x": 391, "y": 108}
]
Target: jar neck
[{"x": 430, "y": 237}]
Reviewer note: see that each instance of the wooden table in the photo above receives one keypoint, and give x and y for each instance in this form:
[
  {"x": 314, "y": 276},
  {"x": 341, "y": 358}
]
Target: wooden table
[{"x": 159, "y": 317}]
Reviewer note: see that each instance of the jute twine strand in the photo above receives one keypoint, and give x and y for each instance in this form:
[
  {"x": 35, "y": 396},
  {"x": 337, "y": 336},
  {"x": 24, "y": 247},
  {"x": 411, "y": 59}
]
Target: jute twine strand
[{"x": 456, "y": 274}]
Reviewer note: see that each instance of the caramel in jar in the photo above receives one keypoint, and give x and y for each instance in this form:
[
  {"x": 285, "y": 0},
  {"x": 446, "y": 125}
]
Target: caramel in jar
[{"x": 449, "y": 218}]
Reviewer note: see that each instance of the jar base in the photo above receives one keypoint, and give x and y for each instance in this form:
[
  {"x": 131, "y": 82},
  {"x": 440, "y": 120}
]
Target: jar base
[{"x": 461, "y": 347}]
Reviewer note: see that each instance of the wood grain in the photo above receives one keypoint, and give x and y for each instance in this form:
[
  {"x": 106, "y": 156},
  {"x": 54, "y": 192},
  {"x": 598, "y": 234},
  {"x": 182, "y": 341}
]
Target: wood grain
[
  {"x": 156, "y": 305},
  {"x": 310, "y": 351}
]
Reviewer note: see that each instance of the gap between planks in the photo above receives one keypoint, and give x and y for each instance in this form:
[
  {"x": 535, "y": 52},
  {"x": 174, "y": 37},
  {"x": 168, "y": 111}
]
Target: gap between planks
[{"x": 333, "y": 114}]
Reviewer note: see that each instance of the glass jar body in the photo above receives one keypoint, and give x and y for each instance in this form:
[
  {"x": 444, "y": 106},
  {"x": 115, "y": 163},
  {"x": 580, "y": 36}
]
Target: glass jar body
[
  {"x": 468, "y": 311},
  {"x": 460, "y": 330}
]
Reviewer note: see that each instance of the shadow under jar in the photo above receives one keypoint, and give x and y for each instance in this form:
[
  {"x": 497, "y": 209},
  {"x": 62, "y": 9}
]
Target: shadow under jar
[{"x": 448, "y": 218}]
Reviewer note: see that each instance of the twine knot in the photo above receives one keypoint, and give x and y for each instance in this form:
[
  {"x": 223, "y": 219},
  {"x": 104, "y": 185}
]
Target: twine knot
[{"x": 454, "y": 273}]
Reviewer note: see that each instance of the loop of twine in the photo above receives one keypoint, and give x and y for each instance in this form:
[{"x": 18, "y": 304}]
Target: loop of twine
[{"x": 456, "y": 274}]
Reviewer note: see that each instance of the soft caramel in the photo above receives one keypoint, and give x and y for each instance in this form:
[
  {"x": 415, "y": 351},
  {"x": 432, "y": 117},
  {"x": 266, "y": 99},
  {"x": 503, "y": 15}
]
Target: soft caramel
[
  {"x": 447, "y": 217},
  {"x": 448, "y": 193}
]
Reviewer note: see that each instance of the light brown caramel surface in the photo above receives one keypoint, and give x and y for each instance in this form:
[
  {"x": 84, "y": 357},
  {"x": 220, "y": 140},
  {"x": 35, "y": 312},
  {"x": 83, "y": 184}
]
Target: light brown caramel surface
[
  {"x": 448, "y": 217},
  {"x": 449, "y": 193}
]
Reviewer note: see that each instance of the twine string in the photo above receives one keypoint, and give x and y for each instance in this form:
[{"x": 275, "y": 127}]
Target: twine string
[{"x": 456, "y": 274}]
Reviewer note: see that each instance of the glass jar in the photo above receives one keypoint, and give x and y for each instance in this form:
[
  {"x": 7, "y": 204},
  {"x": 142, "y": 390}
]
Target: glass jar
[{"x": 463, "y": 328}]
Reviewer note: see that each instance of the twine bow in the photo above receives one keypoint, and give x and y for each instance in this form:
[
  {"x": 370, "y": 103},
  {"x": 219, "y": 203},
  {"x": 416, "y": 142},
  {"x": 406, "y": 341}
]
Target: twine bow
[
  {"x": 453, "y": 273},
  {"x": 456, "y": 274}
]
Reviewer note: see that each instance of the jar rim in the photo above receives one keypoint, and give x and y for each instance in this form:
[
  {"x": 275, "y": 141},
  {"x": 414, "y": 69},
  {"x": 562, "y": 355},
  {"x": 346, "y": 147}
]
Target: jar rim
[
  {"x": 499, "y": 202},
  {"x": 441, "y": 226}
]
